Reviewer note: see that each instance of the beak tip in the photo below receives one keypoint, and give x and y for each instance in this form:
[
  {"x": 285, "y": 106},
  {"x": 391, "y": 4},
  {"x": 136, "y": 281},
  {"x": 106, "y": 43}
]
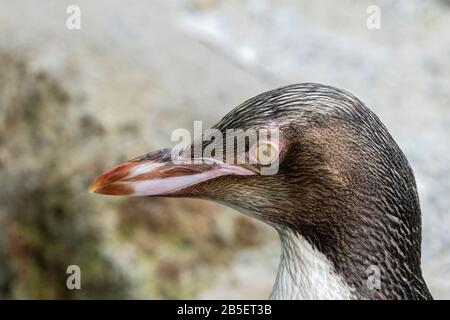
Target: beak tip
[
  {"x": 113, "y": 188},
  {"x": 95, "y": 186},
  {"x": 92, "y": 188}
]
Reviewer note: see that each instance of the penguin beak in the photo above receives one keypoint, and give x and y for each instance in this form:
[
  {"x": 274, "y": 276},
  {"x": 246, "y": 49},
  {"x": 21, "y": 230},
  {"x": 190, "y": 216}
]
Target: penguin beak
[{"x": 157, "y": 174}]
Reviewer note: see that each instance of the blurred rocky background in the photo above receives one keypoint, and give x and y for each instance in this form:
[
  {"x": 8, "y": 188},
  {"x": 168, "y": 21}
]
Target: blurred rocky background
[{"x": 74, "y": 102}]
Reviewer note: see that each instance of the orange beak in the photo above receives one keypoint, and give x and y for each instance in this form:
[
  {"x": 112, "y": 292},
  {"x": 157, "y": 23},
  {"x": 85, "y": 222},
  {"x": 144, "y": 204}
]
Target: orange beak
[{"x": 157, "y": 174}]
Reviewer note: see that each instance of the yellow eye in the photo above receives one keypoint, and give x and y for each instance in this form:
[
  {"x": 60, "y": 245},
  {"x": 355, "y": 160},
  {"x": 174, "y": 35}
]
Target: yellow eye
[{"x": 264, "y": 153}]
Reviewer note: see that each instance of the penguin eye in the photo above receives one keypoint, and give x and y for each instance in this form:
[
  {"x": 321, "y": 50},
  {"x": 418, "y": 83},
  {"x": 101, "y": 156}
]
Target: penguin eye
[{"x": 264, "y": 153}]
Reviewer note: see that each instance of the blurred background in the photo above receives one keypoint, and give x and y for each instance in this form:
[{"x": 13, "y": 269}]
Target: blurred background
[{"x": 75, "y": 102}]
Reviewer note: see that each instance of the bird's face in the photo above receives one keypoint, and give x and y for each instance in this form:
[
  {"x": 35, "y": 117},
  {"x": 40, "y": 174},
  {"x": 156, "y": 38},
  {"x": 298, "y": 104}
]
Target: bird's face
[
  {"x": 276, "y": 157},
  {"x": 228, "y": 165},
  {"x": 267, "y": 168}
]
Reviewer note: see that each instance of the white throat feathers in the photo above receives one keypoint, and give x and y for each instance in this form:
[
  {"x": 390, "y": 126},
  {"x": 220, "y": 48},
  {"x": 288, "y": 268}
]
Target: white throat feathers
[{"x": 305, "y": 273}]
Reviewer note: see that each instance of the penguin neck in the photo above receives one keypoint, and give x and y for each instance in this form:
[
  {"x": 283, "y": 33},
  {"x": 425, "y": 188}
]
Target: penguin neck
[
  {"x": 306, "y": 273},
  {"x": 358, "y": 272}
]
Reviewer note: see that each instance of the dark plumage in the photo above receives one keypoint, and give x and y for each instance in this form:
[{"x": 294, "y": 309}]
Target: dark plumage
[{"x": 343, "y": 184}]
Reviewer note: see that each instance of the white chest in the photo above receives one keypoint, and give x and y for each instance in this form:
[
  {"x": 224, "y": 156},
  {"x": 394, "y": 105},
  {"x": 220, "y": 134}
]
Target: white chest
[{"x": 305, "y": 273}]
